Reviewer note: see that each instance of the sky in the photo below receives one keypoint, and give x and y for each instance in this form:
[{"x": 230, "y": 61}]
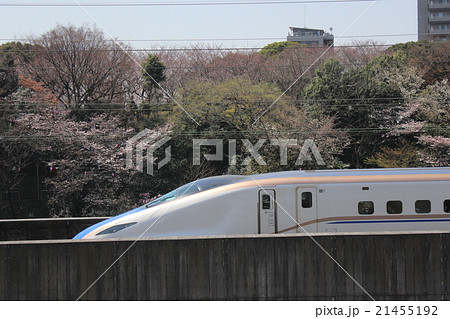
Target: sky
[{"x": 236, "y": 24}]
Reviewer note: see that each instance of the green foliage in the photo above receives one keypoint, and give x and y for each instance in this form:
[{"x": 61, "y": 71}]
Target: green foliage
[
  {"x": 432, "y": 58},
  {"x": 9, "y": 82},
  {"x": 238, "y": 104},
  {"x": 434, "y": 113},
  {"x": 356, "y": 98},
  {"x": 153, "y": 72},
  {"x": 7, "y": 55},
  {"x": 388, "y": 61},
  {"x": 326, "y": 86},
  {"x": 240, "y": 109},
  {"x": 348, "y": 94},
  {"x": 229, "y": 110},
  {"x": 278, "y": 47},
  {"x": 405, "y": 155},
  {"x": 434, "y": 104},
  {"x": 148, "y": 115}
]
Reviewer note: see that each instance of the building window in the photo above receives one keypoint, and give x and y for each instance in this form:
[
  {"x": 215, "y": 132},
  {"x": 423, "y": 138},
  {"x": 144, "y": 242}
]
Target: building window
[
  {"x": 365, "y": 208},
  {"x": 394, "y": 207},
  {"x": 423, "y": 206},
  {"x": 307, "y": 200}
]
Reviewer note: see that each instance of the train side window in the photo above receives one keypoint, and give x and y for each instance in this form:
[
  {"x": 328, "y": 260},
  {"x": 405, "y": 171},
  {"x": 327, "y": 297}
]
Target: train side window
[
  {"x": 447, "y": 206},
  {"x": 365, "y": 208},
  {"x": 423, "y": 206},
  {"x": 307, "y": 201},
  {"x": 394, "y": 207}
]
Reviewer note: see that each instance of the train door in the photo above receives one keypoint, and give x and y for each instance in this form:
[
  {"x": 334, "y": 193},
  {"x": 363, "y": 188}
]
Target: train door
[
  {"x": 267, "y": 212},
  {"x": 306, "y": 209}
]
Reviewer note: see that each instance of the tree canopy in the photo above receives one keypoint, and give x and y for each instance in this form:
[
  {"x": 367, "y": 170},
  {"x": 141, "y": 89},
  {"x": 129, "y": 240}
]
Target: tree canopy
[
  {"x": 153, "y": 72},
  {"x": 79, "y": 65},
  {"x": 71, "y": 99},
  {"x": 9, "y": 81},
  {"x": 278, "y": 47}
]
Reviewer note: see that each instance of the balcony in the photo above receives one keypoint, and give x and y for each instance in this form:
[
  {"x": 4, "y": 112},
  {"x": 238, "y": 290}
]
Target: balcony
[
  {"x": 438, "y": 6},
  {"x": 439, "y": 38},
  {"x": 439, "y": 32},
  {"x": 439, "y": 19}
]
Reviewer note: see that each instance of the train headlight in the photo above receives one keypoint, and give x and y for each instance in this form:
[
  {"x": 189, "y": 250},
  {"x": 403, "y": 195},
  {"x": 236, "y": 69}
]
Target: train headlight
[{"x": 115, "y": 229}]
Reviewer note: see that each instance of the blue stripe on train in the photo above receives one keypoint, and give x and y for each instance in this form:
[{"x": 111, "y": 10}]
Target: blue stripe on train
[{"x": 91, "y": 228}]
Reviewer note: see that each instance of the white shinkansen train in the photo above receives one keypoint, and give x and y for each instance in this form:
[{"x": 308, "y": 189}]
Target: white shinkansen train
[{"x": 292, "y": 202}]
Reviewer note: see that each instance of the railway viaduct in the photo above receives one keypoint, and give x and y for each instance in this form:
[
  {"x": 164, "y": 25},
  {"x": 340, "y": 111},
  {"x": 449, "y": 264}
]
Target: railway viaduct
[{"x": 382, "y": 266}]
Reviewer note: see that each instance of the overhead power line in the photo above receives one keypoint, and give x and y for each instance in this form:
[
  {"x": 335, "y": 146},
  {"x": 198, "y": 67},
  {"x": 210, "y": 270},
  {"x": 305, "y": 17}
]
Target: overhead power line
[
  {"x": 348, "y": 100},
  {"x": 205, "y": 48},
  {"x": 209, "y": 66},
  {"x": 176, "y": 3},
  {"x": 355, "y": 105},
  {"x": 170, "y": 107},
  {"x": 242, "y": 39},
  {"x": 303, "y": 131}
]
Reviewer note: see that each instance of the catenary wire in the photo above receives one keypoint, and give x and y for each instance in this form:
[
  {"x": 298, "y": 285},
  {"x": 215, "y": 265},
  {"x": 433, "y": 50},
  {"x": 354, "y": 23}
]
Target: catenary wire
[
  {"x": 303, "y": 131},
  {"x": 178, "y": 3},
  {"x": 210, "y": 66},
  {"x": 239, "y": 39}
]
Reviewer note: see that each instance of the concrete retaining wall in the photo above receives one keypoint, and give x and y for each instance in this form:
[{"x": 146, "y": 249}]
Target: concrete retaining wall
[{"x": 389, "y": 266}]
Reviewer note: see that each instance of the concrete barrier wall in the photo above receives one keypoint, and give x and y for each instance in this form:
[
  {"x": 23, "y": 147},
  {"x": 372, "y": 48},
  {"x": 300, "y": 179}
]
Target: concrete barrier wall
[
  {"x": 44, "y": 228},
  {"x": 390, "y": 266}
]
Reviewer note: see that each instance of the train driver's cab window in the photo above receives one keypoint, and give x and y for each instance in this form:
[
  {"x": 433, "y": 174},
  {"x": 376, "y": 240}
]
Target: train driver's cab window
[
  {"x": 394, "y": 207},
  {"x": 447, "y": 206},
  {"x": 365, "y": 208},
  {"x": 307, "y": 201},
  {"x": 423, "y": 206}
]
